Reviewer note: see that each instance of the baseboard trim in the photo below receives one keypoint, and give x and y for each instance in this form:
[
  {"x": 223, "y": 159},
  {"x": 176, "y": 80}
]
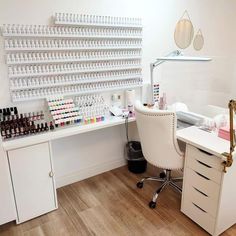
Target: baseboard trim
[{"x": 88, "y": 172}]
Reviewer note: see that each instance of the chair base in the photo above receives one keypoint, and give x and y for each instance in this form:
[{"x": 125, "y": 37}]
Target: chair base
[{"x": 167, "y": 180}]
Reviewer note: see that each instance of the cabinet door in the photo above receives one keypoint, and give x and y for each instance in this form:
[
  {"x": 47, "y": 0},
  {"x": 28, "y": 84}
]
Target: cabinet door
[
  {"x": 33, "y": 182},
  {"x": 7, "y": 206}
]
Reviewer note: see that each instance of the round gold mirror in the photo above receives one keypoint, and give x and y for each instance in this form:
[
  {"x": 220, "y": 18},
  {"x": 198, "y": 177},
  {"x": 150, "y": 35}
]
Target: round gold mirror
[
  {"x": 184, "y": 32},
  {"x": 198, "y": 41}
]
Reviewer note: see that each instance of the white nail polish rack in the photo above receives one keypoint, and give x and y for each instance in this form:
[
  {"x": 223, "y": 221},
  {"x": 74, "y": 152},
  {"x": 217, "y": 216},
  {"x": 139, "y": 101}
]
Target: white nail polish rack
[
  {"x": 92, "y": 108},
  {"x": 79, "y": 54},
  {"x": 63, "y": 111},
  {"x": 84, "y": 109}
]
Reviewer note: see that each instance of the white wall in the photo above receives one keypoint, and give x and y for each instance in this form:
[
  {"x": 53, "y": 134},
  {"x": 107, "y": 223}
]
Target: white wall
[
  {"x": 196, "y": 84},
  {"x": 209, "y": 83}
]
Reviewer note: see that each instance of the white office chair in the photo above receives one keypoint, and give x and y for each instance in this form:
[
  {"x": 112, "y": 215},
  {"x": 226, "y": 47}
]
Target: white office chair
[{"x": 157, "y": 130}]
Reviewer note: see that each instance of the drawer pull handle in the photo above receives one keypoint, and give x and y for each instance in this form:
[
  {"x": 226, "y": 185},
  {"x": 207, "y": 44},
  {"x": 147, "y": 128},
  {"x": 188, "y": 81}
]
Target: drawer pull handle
[
  {"x": 201, "y": 175},
  {"x": 205, "y": 152},
  {"x": 199, "y": 207},
  {"x": 200, "y": 192},
  {"x": 202, "y": 163}
]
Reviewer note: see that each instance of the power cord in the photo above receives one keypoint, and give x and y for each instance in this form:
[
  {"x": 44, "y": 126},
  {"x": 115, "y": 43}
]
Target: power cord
[{"x": 126, "y": 116}]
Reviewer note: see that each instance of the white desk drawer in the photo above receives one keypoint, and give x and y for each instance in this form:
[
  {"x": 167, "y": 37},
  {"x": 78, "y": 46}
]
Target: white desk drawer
[
  {"x": 193, "y": 211},
  {"x": 202, "y": 183},
  {"x": 201, "y": 165},
  {"x": 205, "y": 202},
  {"x": 204, "y": 157}
]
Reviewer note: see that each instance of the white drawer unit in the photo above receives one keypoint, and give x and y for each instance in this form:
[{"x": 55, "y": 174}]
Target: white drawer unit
[
  {"x": 205, "y": 157},
  {"x": 203, "y": 183},
  {"x": 201, "y": 199},
  {"x": 204, "y": 169},
  {"x": 208, "y": 193},
  {"x": 33, "y": 181},
  {"x": 199, "y": 215}
]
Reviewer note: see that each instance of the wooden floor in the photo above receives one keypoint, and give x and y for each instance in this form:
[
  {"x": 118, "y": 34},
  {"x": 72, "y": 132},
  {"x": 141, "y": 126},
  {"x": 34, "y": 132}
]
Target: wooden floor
[{"x": 110, "y": 204}]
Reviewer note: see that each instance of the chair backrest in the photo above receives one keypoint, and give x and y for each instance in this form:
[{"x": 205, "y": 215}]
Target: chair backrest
[{"x": 157, "y": 132}]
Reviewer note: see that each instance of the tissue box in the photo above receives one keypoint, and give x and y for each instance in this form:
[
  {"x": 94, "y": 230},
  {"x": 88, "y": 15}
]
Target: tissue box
[{"x": 224, "y": 133}]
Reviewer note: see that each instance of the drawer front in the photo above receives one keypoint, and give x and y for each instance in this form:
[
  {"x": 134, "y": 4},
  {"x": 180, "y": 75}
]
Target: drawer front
[
  {"x": 202, "y": 183},
  {"x": 193, "y": 211},
  {"x": 204, "y": 157},
  {"x": 202, "y": 166},
  {"x": 205, "y": 202}
]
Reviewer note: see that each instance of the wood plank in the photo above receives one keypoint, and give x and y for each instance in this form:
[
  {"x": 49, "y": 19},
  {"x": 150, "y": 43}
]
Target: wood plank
[
  {"x": 11, "y": 229},
  {"x": 175, "y": 229},
  {"x": 111, "y": 204},
  {"x": 72, "y": 213},
  {"x": 123, "y": 206},
  {"x": 98, "y": 220},
  {"x": 54, "y": 223}
]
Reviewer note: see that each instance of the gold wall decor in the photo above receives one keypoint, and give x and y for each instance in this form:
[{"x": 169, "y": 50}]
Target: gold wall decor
[
  {"x": 229, "y": 155},
  {"x": 198, "y": 41},
  {"x": 184, "y": 31}
]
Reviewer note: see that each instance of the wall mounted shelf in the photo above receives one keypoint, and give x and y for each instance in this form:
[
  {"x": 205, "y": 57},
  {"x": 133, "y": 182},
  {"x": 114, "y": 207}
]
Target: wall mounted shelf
[
  {"x": 66, "y": 23},
  {"x": 72, "y": 48},
  {"x": 73, "y": 72},
  {"x": 71, "y": 36},
  {"x": 79, "y": 93},
  {"x": 71, "y": 60},
  {"x": 14, "y": 88}
]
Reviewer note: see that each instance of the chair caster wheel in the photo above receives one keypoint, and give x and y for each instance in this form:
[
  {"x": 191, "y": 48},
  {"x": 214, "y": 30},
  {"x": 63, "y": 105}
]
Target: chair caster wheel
[
  {"x": 152, "y": 204},
  {"x": 140, "y": 184},
  {"x": 162, "y": 175}
]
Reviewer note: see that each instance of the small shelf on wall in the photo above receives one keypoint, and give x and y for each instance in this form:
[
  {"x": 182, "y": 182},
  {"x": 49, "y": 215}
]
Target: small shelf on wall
[
  {"x": 71, "y": 48},
  {"x": 83, "y": 20},
  {"x": 73, "y": 72},
  {"x": 100, "y": 25},
  {"x": 71, "y": 36},
  {"x": 79, "y": 93},
  {"x": 30, "y": 86},
  {"x": 84, "y": 46},
  {"x": 70, "y": 60}
]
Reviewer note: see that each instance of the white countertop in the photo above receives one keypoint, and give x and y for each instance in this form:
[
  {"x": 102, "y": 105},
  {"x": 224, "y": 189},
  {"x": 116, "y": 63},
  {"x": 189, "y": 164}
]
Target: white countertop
[
  {"x": 61, "y": 133},
  {"x": 204, "y": 140}
]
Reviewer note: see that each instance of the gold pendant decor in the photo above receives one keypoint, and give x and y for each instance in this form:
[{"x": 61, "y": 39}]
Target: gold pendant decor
[
  {"x": 229, "y": 156},
  {"x": 184, "y": 31},
  {"x": 198, "y": 41}
]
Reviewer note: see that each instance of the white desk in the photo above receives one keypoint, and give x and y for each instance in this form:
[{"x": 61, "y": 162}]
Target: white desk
[
  {"x": 31, "y": 177},
  {"x": 204, "y": 140},
  {"x": 209, "y": 194},
  {"x": 62, "y": 133}
]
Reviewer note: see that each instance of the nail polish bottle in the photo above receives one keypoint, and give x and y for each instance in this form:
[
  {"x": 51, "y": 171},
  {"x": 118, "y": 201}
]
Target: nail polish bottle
[
  {"x": 37, "y": 116},
  {"x": 21, "y": 130},
  {"x": 31, "y": 127},
  {"x": 38, "y": 128},
  {"x": 8, "y": 112},
  {"x": 8, "y": 133},
  {"x": 51, "y": 126},
  {"x": 12, "y": 111},
  {"x": 42, "y": 128},
  {"x": 17, "y": 131},
  {"x": 3, "y": 133},
  {"x": 26, "y": 130},
  {"x": 46, "y": 128},
  {"x": 13, "y": 133}
]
